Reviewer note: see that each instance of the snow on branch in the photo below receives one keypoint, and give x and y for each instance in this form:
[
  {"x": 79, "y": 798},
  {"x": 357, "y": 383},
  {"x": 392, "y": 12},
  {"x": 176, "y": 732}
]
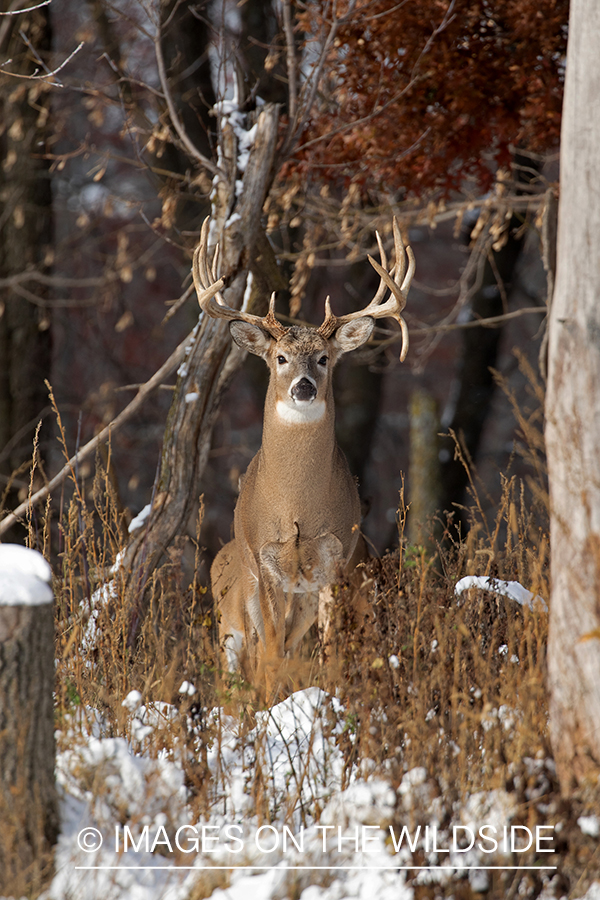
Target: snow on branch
[{"x": 19, "y": 12}]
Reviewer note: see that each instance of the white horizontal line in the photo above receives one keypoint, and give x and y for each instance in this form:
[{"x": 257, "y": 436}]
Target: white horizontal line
[{"x": 326, "y": 868}]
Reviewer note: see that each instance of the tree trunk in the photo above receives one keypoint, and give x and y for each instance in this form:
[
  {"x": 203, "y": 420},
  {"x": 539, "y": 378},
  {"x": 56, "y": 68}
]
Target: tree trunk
[
  {"x": 424, "y": 470},
  {"x": 25, "y": 235},
  {"x": 479, "y": 356},
  {"x": 211, "y": 360},
  {"x": 260, "y": 32},
  {"x": 28, "y": 803},
  {"x": 573, "y": 420},
  {"x": 358, "y": 390}
]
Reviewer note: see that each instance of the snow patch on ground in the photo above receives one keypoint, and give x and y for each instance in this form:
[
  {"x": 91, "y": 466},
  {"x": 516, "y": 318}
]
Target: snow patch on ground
[
  {"x": 120, "y": 807},
  {"x": 589, "y": 825},
  {"x": 511, "y": 589},
  {"x": 128, "y": 830}
]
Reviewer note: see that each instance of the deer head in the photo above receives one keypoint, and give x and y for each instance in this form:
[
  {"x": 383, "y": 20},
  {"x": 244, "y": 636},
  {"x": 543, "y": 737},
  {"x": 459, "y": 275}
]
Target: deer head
[
  {"x": 301, "y": 363},
  {"x": 397, "y": 280}
]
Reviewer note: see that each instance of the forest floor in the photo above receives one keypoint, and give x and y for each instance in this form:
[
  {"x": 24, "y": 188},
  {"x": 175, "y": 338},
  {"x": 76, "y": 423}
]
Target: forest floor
[{"x": 413, "y": 761}]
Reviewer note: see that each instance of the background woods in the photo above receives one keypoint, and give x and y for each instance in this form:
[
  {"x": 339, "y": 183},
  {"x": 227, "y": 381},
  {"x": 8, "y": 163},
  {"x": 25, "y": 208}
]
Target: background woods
[
  {"x": 300, "y": 129},
  {"x": 367, "y": 120}
]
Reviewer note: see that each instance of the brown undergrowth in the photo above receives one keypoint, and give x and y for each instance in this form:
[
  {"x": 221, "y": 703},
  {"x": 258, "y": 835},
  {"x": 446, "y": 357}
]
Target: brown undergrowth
[
  {"x": 425, "y": 680},
  {"x": 441, "y": 663}
]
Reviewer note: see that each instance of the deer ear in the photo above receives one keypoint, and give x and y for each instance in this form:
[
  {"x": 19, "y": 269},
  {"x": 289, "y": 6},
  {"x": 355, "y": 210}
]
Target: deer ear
[
  {"x": 353, "y": 334},
  {"x": 250, "y": 337}
]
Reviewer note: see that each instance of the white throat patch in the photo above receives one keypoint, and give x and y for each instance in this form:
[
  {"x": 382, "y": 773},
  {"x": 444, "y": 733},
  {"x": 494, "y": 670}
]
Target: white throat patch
[{"x": 300, "y": 413}]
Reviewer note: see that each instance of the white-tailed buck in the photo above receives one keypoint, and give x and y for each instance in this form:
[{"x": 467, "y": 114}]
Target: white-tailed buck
[{"x": 296, "y": 522}]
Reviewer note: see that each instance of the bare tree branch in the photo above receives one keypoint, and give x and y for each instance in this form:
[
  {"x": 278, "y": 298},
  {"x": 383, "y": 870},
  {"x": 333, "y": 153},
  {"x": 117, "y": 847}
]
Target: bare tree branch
[
  {"x": 46, "y": 75},
  {"x": 15, "y": 10},
  {"x": 177, "y": 123},
  {"x": 311, "y": 86},
  {"x": 448, "y": 18},
  {"x": 18, "y": 12},
  {"x": 69, "y": 469},
  {"x": 292, "y": 68},
  {"x": 44, "y": 303},
  {"x": 428, "y": 330}
]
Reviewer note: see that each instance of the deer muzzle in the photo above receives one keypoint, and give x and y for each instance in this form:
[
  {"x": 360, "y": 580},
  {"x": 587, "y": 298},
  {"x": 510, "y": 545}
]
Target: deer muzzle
[{"x": 303, "y": 391}]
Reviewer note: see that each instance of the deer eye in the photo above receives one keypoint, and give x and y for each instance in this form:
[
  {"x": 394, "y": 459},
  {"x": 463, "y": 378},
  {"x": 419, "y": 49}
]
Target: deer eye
[
  {"x": 323, "y": 361},
  {"x": 281, "y": 360}
]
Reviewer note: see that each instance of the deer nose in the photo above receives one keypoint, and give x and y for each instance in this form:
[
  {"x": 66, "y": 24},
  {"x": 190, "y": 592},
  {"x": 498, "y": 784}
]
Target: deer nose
[{"x": 303, "y": 390}]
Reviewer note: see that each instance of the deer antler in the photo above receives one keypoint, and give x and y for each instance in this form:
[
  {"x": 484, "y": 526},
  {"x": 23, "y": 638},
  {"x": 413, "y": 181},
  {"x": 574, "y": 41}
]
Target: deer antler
[
  {"x": 208, "y": 288},
  {"x": 398, "y": 280}
]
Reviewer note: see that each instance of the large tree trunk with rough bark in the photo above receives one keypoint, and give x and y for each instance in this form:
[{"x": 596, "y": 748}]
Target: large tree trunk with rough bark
[
  {"x": 573, "y": 420},
  {"x": 28, "y": 802}
]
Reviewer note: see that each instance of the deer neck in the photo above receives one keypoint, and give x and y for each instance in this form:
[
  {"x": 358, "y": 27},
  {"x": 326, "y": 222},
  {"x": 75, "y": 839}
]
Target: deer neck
[{"x": 298, "y": 442}]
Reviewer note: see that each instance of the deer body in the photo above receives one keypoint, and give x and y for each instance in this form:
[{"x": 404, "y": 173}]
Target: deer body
[{"x": 296, "y": 522}]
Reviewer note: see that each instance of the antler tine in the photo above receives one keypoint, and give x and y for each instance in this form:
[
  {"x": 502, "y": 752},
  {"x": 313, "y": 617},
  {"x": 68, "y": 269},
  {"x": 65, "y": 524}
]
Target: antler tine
[
  {"x": 208, "y": 288},
  {"x": 206, "y": 285},
  {"x": 399, "y": 254},
  {"x": 398, "y": 280},
  {"x": 383, "y": 257},
  {"x": 215, "y": 263},
  {"x": 404, "y": 275},
  {"x": 395, "y": 304},
  {"x": 208, "y": 270}
]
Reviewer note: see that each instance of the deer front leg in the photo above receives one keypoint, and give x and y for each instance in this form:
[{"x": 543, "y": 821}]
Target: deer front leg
[
  {"x": 235, "y": 593},
  {"x": 301, "y": 613},
  {"x": 321, "y": 561},
  {"x": 353, "y": 570},
  {"x": 227, "y": 589},
  {"x": 271, "y": 599}
]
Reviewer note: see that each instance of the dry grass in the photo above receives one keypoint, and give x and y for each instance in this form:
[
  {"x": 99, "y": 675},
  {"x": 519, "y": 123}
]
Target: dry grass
[
  {"x": 441, "y": 667},
  {"x": 424, "y": 679}
]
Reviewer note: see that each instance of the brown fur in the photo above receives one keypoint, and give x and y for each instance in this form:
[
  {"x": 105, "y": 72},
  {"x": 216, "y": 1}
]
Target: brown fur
[{"x": 296, "y": 523}]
